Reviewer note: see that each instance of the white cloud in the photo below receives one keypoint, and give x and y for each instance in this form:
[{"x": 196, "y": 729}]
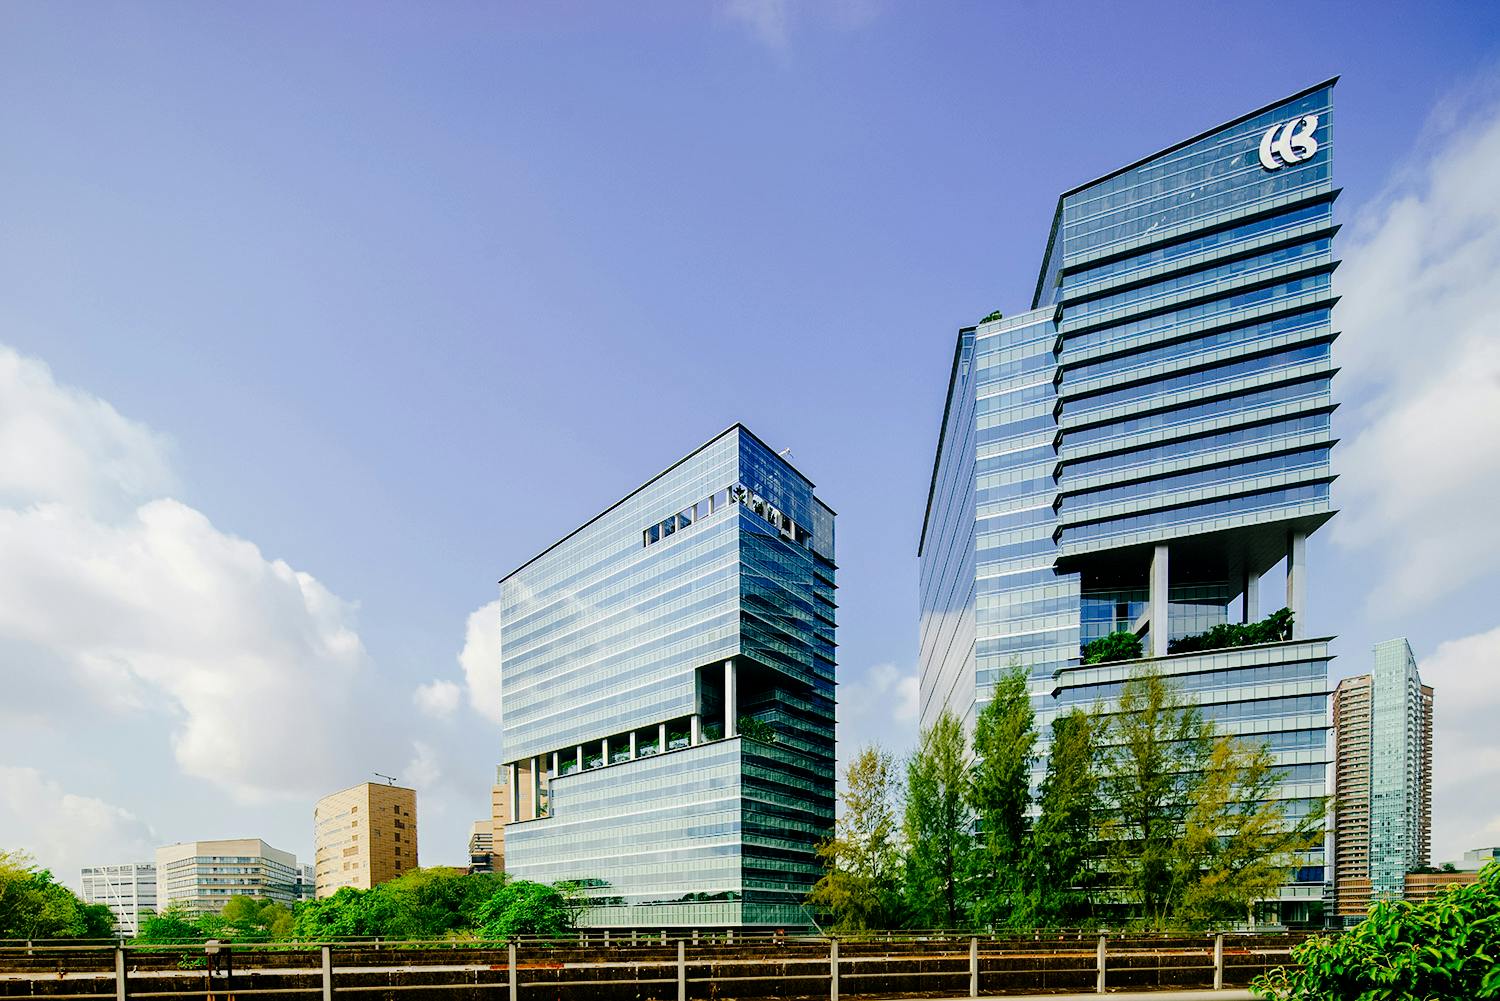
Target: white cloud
[
  {"x": 1421, "y": 357},
  {"x": 425, "y": 769},
  {"x": 480, "y": 660},
  {"x": 770, "y": 21},
  {"x": 60, "y": 444},
  {"x": 437, "y": 698},
  {"x": 878, "y": 708},
  {"x": 1466, "y": 756},
  {"x": 767, "y": 19},
  {"x": 163, "y": 611},
  {"x": 65, "y": 831}
]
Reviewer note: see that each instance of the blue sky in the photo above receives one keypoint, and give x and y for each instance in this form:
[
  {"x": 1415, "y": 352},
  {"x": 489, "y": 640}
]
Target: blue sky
[{"x": 316, "y": 319}]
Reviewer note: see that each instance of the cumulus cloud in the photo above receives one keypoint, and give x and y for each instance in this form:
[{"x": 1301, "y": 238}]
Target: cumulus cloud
[
  {"x": 1421, "y": 321},
  {"x": 437, "y": 698},
  {"x": 65, "y": 831},
  {"x": 61, "y": 444},
  {"x": 480, "y": 660},
  {"x": 143, "y": 597},
  {"x": 1466, "y": 757},
  {"x": 880, "y": 708}
]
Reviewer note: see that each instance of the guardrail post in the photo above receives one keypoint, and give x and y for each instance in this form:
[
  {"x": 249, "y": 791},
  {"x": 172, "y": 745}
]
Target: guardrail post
[
  {"x": 1219, "y": 961},
  {"x": 681, "y": 970},
  {"x": 973, "y": 967},
  {"x": 833, "y": 969},
  {"x": 1099, "y": 986},
  {"x": 119, "y": 973},
  {"x": 510, "y": 964},
  {"x": 327, "y": 974}
]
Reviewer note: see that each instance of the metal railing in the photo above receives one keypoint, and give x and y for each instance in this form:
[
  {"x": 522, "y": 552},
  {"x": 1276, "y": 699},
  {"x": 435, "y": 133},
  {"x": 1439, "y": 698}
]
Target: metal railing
[{"x": 641, "y": 967}]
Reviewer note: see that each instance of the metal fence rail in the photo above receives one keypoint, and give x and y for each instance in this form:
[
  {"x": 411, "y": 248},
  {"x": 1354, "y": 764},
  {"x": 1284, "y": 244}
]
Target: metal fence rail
[{"x": 701, "y": 968}]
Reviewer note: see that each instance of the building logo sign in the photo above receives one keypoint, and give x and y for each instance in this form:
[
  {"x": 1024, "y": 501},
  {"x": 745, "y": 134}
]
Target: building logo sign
[{"x": 1289, "y": 142}]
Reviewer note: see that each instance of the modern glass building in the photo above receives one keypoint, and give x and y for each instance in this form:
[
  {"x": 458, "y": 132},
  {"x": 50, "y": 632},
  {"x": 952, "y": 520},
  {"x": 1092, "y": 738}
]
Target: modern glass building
[
  {"x": 667, "y": 676},
  {"x": 1383, "y": 780},
  {"x": 1148, "y": 440}
]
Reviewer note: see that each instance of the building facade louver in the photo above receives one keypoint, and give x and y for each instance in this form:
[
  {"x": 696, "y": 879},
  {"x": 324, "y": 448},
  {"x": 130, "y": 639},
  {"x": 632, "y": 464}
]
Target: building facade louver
[{"x": 1146, "y": 442}]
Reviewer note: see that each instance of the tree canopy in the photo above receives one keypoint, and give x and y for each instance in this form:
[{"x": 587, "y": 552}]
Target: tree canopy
[{"x": 34, "y": 906}]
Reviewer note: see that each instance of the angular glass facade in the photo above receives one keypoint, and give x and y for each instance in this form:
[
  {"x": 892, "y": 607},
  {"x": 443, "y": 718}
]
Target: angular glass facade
[
  {"x": 631, "y": 651},
  {"x": 1146, "y": 442}
]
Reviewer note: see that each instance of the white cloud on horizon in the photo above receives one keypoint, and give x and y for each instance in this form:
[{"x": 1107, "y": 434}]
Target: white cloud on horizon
[
  {"x": 1466, "y": 755},
  {"x": 770, "y": 21},
  {"x": 1421, "y": 367},
  {"x": 144, "y": 598},
  {"x": 437, "y": 699},
  {"x": 875, "y": 707},
  {"x": 480, "y": 660},
  {"x": 67, "y": 829}
]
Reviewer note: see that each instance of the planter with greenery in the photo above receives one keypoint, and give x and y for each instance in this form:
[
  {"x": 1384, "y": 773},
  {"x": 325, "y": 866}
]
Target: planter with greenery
[
  {"x": 1122, "y": 645},
  {"x": 1274, "y": 628}
]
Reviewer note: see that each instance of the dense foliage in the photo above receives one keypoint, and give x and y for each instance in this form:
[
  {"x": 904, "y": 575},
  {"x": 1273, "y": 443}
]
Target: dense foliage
[
  {"x": 33, "y": 905},
  {"x": 1122, "y": 645},
  {"x": 993, "y": 316},
  {"x": 243, "y": 919},
  {"x": 1444, "y": 947},
  {"x": 1147, "y": 817},
  {"x": 862, "y": 884},
  {"x": 1274, "y": 628}
]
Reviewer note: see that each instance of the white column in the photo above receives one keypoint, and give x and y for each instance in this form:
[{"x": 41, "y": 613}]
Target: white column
[
  {"x": 1296, "y": 582},
  {"x": 1160, "y": 629},
  {"x": 1250, "y": 598},
  {"x": 604, "y": 751},
  {"x": 515, "y": 792},
  {"x": 661, "y": 738},
  {"x": 555, "y": 762},
  {"x": 632, "y": 745},
  {"x": 695, "y": 736},
  {"x": 536, "y": 787},
  {"x": 731, "y": 700},
  {"x": 580, "y": 757}
]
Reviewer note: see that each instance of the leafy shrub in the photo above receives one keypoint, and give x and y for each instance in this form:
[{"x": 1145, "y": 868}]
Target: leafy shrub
[
  {"x": 1122, "y": 645},
  {"x": 1445, "y": 947},
  {"x": 1274, "y": 628},
  {"x": 992, "y": 317}
]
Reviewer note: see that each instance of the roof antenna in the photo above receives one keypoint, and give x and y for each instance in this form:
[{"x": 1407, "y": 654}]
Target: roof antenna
[
  {"x": 388, "y": 779},
  {"x": 785, "y": 453}
]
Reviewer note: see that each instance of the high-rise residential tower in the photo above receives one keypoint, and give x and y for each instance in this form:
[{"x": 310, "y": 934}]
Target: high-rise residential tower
[
  {"x": 129, "y": 891},
  {"x": 1150, "y": 438},
  {"x": 667, "y": 673},
  {"x": 364, "y": 836},
  {"x": 201, "y": 876},
  {"x": 1382, "y": 780}
]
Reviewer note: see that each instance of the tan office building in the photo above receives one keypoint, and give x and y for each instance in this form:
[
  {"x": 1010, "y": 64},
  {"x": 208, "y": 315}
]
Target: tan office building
[
  {"x": 201, "y": 876},
  {"x": 364, "y": 836}
]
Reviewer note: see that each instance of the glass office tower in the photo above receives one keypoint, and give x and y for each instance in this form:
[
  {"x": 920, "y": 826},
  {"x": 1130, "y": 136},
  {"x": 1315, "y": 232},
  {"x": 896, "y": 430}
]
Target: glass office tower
[
  {"x": 667, "y": 676},
  {"x": 1140, "y": 447},
  {"x": 1382, "y": 820}
]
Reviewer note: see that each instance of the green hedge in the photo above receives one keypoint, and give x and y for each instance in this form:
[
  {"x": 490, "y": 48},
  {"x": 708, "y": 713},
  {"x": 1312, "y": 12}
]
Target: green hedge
[{"x": 1272, "y": 629}]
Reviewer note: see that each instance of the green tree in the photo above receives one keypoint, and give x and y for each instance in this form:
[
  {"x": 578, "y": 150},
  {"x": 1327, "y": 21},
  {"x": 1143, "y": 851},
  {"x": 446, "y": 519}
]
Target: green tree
[
  {"x": 522, "y": 907},
  {"x": 1000, "y": 795},
  {"x": 1444, "y": 947},
  {"x": 1156, "y": 748},
  {"x": 937, "y": 825},
  {"x": 1121, "y": 645},
  {"x": 33, "y": 905},
  {"x": 173, "y": 924},
  {"x": 1063, "y": 840},
  {"x": 861, "y": 883},
  {"x": 1239, "y": 842},
  {"x": 430, "y": 903}
]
